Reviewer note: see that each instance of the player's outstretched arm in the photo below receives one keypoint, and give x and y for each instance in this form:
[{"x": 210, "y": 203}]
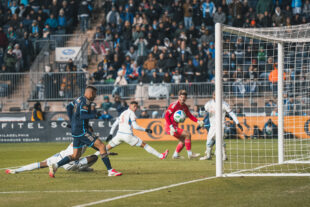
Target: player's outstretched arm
[
  {"x": 137, "y": 127},
  {"x": 234, "y": 117}
]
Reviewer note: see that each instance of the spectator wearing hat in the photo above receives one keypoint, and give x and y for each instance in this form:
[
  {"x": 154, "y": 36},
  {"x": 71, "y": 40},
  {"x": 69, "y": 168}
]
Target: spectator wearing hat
[
  {"x": 37, "y": 114},
  {"x": 10, "y": 60}
]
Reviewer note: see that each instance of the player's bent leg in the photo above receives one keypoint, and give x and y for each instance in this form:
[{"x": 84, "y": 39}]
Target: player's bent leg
[
  {"x": 86, "y": 162},
  {"x": 180, "y": 146},
  {"x": 105, "y": 158}
]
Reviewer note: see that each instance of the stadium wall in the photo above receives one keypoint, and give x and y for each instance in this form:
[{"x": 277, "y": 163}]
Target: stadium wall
[{"x": 57, "y": 131}]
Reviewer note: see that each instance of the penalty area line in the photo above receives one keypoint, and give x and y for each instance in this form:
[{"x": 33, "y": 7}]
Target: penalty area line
[
  {"x": 143, "y": 192},
  {"x": 66, "y": 191}
]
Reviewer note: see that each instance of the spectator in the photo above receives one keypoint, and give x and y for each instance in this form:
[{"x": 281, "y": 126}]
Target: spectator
[
  {"x": 208, "y": 7},
  {"x": 120, "y": 82},
  {"x": 273, "y": 79},
  {"x": 270, "y": 130},
  {"x": 266, "y": 20},
  {"x": 141, "y": 44},
  {"x": 19, "y": 58},
  {"x": 113, "y": 16},
  {"x": 306, "y": 9},
  {"x": 262, "y": 6},
  {"x": 235, "y": 9},
  {"x": 219, "y": 16},
  {"x": 52, "y": 22},
  {"x": 239, "y": 112},
  {"x": 155, "y": 78},
  {"x": 277, "y": 18},
  {"x": 84, "y": 14},
  {"x": 150, "y": 64},
  {"x": 188, "y": 14},
  {"x": 106, "y": 116},
  {"x": 99, "y": 75},
  {"x": 177, "y": 76},
  {"x": 62, "y": 20},
  {"x": 144, "y": 114},
  {"x": 296, "y": 6},
  {"x": 10, "y": 60},
  {"x": 37, "y": 114}
]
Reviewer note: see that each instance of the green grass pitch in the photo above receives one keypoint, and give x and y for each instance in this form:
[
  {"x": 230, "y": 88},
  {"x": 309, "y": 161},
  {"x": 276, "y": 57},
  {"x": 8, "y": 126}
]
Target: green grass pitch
[{"x": 141, "y": 171}]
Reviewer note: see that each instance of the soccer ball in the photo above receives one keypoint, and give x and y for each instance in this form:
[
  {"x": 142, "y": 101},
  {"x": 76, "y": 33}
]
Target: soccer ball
[{"x": 179, "y": 116}]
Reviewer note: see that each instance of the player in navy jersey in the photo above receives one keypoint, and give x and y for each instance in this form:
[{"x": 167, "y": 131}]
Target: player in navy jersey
[{"x": 83, "y": 110}]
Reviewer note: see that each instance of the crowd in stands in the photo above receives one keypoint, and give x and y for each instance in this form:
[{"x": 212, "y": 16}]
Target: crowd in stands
[
  {"x": 154, "y": 41},
  {"x": 23, "y": 22}
]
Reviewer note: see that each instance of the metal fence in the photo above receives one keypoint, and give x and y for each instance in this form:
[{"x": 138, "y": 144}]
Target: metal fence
[{"x": 14, "y": 90}]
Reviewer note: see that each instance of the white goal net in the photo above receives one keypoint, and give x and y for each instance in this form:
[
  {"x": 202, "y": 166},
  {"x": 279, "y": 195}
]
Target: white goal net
[{"x": 264, "y": 75}]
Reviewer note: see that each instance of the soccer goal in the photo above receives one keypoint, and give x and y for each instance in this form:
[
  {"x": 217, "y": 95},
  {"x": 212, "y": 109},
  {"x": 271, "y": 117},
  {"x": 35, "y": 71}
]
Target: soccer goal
[{"x": 264, "y": 75}]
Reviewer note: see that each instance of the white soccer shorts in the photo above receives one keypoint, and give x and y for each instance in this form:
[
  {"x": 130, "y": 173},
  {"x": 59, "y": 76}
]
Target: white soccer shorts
[{"x": 122, "y": 137}]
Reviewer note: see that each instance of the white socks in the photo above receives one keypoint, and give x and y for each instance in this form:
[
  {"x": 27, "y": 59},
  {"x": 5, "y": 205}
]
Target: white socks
[
  {"x": 151, "y": 150},
  {"x": 189, "y": 153},
  {"x": 208, "y": 152},
  {"x": 29, "y": 167},
  {"x": 83, "y": 161}
]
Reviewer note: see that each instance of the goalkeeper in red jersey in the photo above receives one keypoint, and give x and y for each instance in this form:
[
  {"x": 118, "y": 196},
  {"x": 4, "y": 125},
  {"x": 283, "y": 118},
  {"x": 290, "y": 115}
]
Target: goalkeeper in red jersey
[{"x": 171, "y": 127}]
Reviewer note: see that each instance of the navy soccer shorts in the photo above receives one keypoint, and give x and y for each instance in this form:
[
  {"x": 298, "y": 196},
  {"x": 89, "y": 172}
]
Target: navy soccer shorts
[{"x": 87, "y": 139}]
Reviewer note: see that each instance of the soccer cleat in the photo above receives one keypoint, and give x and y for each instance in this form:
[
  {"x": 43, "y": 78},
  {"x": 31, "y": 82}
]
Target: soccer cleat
[
  {"x": 114, "y": 173},
  {"x": 53, "y": 169},
  {"x": 205, "y": 158},
  {"x": 178, "y": 157},
  {"x": 165, "y": 154},
  {"x": 8, "y": 171},
  {"x": 194, "y": 155}
]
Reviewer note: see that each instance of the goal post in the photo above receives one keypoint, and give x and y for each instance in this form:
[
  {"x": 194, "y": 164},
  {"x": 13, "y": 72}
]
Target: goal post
[{"x": 264, "y": 75}]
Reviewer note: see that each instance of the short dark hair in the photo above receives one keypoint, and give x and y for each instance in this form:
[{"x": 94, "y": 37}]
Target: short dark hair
[
  {"x": 134, "y": 102},
  {"x": 92, "y": 87},
  {"x": 182, "y": 92}
]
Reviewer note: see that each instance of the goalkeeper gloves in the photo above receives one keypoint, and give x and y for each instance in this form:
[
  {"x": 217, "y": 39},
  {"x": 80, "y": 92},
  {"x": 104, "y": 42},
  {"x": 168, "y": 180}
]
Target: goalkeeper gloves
[
  {"x": 200, "y": 123},
  {"x": 109, "y": 137},
  {"x": 240, "y": 127},
  {"x": 172, "y": 130},
  {"x": 149, "y": 131}
]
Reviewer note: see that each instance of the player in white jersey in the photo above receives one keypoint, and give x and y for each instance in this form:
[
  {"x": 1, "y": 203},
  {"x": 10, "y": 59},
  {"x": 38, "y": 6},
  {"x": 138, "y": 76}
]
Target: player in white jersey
[
  {"x": 83, "y": 164},
  {"x": 210, "y": 108},
  {"x": 126, "y": 121}
]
